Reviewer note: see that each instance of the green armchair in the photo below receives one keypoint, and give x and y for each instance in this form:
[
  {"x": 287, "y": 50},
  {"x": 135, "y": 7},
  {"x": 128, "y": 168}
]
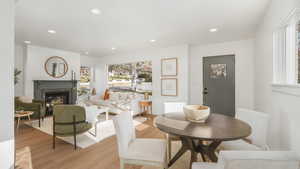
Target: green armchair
[
  {"x": 37, "y": 106},
  {"x": 69, "y": 120}
]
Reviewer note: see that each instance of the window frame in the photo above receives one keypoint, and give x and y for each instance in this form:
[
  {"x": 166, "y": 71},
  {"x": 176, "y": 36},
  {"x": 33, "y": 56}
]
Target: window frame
[{"x": 285, "y": 51}]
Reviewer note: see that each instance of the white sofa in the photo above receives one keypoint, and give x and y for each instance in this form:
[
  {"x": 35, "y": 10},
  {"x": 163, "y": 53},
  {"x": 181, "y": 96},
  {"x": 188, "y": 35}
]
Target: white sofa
[
  {"x": 252, "y": 160},
  {"x": 120, "y": 101}
]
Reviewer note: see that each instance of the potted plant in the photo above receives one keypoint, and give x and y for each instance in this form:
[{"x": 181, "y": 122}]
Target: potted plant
[{"x": 17, "y": 73}]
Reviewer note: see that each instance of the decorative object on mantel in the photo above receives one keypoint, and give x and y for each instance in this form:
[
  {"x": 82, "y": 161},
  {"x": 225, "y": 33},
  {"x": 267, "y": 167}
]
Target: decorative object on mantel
[
  {"x": 196, "y": 113},
  {"x": 56, "y": 67},
  {"x": 169, "y": 67},
  {"x": 169, "y": 87},
  {"x": 16, "y": 74},
  {"x": 73, "y": 75}
]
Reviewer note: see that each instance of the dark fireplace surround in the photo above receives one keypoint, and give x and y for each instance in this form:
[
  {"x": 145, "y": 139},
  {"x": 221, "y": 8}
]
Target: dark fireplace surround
[{"x": 47, "y": 89}]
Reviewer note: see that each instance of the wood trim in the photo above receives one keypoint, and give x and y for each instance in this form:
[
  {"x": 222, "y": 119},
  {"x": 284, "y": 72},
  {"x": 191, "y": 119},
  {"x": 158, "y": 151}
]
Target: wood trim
[
  {"x": 66, "y": 68},
  {"x": 161, "y": 88},
  {"x": 164, "y": 59}
]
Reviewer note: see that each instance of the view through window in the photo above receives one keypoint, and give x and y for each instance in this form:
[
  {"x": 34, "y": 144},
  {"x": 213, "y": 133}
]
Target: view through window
[
  {"x": 85, "y": 79},
  {"x": 135, "y": 76}
]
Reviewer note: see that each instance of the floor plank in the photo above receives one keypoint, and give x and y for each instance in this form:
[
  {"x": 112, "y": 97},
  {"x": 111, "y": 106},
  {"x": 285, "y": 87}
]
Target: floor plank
[{"x": 103, "y": 155}]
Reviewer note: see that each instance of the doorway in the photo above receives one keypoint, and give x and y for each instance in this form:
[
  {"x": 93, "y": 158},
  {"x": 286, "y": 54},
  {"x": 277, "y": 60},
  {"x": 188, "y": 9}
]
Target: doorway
[{"x": 219, "y": 84}]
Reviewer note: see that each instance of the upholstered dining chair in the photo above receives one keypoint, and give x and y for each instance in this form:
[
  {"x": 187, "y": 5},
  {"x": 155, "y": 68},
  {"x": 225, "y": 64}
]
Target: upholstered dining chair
[
  {"x": 252, "y": 159},
  {"x": 138, "y": 151},
  {"x": 171, "y": 107},
  {"x": 258, "y": 139},
  {"x": 69, "y": 120}
]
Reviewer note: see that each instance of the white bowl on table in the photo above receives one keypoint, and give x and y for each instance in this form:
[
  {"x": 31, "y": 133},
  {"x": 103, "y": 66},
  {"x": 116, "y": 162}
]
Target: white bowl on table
[{"x": 196, "y": 113}]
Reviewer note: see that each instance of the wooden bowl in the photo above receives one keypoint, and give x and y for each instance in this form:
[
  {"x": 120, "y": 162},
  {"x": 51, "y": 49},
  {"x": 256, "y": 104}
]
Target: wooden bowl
[{"x": 196, "y": 113}]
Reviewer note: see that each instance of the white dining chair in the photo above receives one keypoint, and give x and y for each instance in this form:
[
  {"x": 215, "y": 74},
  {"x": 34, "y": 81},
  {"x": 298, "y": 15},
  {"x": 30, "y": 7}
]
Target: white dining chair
[
  {"x": 138, "y": 151},
  {"x": 172, "y": 107},
  {"x": 252, "y": 160},
  {"x": 258, "y": 139}
]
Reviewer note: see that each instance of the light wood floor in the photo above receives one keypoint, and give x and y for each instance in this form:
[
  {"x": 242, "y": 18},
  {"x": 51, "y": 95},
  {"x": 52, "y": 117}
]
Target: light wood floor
[{"x": 103, "y": 155}]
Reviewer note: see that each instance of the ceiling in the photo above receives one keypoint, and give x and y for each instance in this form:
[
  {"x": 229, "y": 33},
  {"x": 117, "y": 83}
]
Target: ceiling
[{"x": 130, "y": 24}]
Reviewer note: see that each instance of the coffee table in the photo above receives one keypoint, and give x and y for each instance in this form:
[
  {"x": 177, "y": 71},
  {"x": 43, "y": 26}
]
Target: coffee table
[{"x": 20, "y": 114}]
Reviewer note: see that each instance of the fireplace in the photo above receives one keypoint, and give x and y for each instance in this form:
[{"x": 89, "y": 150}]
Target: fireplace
[
  {"x": 55, "y": 92},
  {"x": 55, "y": 98}
]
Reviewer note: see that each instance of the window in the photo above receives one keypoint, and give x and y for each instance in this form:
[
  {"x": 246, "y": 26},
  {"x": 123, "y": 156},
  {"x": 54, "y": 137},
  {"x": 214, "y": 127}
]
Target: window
[
  {"x": 135, "y": 76},
  {"x": 286, "y": 53},
  {"x": 85, "y": 80}
]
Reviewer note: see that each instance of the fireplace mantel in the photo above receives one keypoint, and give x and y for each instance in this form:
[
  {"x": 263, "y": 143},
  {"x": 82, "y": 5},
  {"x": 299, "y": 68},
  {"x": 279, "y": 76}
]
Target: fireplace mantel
[{"x": 41, "y": 87}]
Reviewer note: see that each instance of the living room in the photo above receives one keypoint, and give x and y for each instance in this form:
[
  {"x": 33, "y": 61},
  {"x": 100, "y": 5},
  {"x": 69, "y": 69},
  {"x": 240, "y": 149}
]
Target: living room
[{"x": 90, "y": 64}]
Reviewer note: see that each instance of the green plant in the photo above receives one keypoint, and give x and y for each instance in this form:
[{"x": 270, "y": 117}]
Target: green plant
[{"x": 17, "y": 73}]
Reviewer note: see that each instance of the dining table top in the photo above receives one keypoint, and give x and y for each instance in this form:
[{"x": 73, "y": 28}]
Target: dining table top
[{"x": 216, "y": 128}]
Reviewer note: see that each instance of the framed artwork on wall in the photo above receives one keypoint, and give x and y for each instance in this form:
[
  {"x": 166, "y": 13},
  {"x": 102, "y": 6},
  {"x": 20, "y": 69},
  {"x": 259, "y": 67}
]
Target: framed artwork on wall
[
  {"x": 169, "y": 87},
  {"x": 169, "y": 67}
]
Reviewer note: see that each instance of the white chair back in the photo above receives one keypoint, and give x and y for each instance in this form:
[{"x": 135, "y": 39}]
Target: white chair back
[
  {"x": 259, "y": 124},
  {"x": 125, "y": 131},
  {"x": 258, "y": 160},
  {"x": 171, "y": 107},
  {"x": 91, "y": 113}
]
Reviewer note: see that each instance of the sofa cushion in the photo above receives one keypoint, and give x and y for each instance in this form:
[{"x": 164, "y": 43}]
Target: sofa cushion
[{"x": 114, "y": 96}]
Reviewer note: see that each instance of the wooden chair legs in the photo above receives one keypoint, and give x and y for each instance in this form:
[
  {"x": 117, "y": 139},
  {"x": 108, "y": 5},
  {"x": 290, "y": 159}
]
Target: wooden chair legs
[
  {"x": 74, "y": 130},
  {"x": 53, "y": 132}
]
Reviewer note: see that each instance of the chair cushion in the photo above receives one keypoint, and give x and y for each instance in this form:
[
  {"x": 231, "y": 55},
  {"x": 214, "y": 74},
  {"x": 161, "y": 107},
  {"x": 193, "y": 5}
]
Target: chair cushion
[
  {"x": 205, "y": 166},
  {"x": 153, "y": 150},
  {"x": 67, "y": 130},
  {"x": 25, "y": 99},
  {"x": 239, "y": 145}
]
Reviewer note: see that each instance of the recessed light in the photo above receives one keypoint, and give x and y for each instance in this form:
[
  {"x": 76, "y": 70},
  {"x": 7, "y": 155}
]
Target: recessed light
[
  {"x": 95, "y": 11},
  {"x": 153, "y": 40},
  {"x": 86, "y": 52},
  {"x": 113, "y": 48},
  {"x": 27, "y": 42},
  {"x": 213, "y": 30},
  {"x": 52, "y": 31}
]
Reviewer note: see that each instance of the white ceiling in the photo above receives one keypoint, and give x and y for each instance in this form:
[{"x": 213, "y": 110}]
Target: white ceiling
[{"x": 130, "y": 24}]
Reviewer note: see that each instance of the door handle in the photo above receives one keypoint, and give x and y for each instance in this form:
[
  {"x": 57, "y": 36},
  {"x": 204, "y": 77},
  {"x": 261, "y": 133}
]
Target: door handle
[{"x": 205, "y": 91}]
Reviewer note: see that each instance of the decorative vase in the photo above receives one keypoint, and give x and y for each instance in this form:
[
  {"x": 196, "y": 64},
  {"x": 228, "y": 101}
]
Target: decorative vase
[{"x": 196, "y": 113}]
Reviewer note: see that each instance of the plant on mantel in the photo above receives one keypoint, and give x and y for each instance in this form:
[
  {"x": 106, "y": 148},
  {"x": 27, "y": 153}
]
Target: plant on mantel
[{"x": 17, "y": 73}]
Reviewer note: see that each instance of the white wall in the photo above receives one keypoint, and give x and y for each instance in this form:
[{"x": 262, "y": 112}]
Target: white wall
[
  {"x": 283, "y": 107},
  {"x": 244, "y": 60},
  {"x": 20, "y": 51},
  {"x": 7, "y": 84},
  {"x": 155, "y": 55},
  {"x": 34, "y": 65}
]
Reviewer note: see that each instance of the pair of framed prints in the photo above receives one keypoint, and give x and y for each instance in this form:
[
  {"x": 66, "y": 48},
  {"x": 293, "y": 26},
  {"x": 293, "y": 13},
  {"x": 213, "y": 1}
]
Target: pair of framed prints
[{"x": 169, "y": 72}]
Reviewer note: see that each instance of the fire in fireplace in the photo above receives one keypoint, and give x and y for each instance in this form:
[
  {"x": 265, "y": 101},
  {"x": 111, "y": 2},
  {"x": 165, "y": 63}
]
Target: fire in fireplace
[{"x": 55, "y": 98}]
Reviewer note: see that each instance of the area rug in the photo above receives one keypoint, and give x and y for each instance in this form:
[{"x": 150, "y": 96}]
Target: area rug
[
  {"x": 105, "y": 129},
  {"x": 23, "y": 159}
]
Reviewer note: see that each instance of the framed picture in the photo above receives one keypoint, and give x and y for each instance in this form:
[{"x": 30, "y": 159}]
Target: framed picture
[
  {"x": 169, "y": 67},
  {"x": 169, "y": 87}
]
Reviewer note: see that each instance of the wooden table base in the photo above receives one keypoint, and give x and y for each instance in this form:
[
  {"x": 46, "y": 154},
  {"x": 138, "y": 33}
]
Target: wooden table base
[{"x": 196, "y": 146}]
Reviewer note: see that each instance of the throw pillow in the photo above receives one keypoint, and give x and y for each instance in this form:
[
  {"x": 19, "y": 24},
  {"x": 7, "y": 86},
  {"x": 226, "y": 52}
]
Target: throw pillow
[
  {"x": 106, "y": 95},
  {"x": 25, "y": 99}
]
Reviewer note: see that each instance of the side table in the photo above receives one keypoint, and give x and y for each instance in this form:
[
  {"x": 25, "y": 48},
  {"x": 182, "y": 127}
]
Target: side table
[
  {"x": 20, "y": 114},
  {"x": 145, "y": 107}
]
